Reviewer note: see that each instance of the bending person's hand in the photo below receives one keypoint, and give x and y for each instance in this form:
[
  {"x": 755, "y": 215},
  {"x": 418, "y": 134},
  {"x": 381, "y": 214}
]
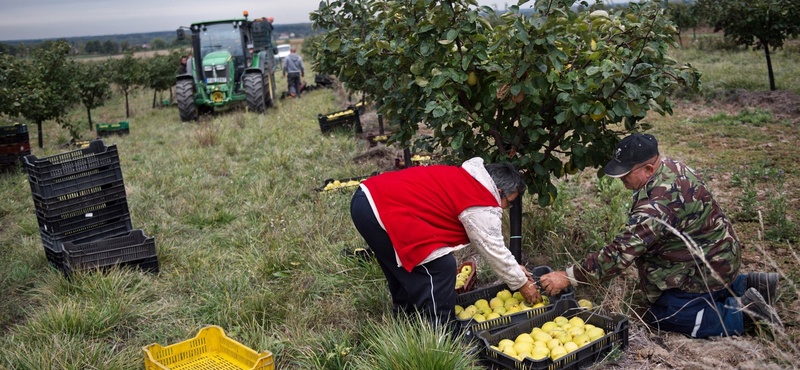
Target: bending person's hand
[
  {"x": 530, "y": 292},
  {"x": 528, "y": 274},
  {"x": 554, "y": 282}
]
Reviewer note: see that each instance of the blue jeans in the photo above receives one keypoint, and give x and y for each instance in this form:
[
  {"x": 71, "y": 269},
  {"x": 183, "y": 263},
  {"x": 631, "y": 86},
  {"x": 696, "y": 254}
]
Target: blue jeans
[{"x": 700, "y": 315}]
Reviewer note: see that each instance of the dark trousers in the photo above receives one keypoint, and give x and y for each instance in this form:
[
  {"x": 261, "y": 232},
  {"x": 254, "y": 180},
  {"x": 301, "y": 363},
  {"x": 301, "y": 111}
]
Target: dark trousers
[
  {"x": 429, "y": 288},
  {"x": 700, "y": 315},
  {"x": 294, "y": 83}
]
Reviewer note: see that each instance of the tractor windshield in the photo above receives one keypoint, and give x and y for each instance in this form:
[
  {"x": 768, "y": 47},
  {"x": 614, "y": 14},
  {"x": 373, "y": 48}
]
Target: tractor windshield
[{"x": 221, "y": 36}]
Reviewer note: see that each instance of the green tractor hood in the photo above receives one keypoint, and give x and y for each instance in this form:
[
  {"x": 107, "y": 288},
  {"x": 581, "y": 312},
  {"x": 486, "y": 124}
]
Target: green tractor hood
[{"x": 217, "y": 58}]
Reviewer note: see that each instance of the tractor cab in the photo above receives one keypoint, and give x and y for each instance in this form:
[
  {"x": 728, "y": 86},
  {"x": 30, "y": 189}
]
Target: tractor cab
[{"x": 221, "y": 57}]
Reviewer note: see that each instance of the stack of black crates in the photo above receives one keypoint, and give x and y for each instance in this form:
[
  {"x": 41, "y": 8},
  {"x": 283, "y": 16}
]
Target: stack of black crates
[
  {"x": 14, "y": 144},
  {"x": 83, "y": 213}
]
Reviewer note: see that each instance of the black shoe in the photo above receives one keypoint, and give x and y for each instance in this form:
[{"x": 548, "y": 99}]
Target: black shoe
[
  {"x": 360, "y": 253},
  {"x": 757, "y": 308},
  {"x": 765, "y": 283}
]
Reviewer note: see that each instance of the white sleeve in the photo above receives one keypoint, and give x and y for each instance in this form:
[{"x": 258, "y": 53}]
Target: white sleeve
[{"x": 484, "y": 226}]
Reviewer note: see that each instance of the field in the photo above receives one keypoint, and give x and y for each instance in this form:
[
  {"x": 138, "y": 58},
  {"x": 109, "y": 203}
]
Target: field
[{"x": 245, "y": 242}]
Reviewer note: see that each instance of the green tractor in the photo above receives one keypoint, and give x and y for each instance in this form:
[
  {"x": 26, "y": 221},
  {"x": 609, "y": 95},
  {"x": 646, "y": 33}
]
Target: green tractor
[{"x": 232, "y": 60}]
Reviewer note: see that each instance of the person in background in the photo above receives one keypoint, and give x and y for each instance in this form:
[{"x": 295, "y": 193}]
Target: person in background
[
  {"x": 182, "y": 70},
  {"x": 672, "y": 221},
  {"x": 414, "y": 219},
  {"x": 293, "y": 66}
]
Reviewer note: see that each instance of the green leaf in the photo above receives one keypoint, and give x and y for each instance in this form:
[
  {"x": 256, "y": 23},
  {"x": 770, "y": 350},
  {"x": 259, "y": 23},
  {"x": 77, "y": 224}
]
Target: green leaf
[
  {"x": 458, "y": 141},
  {"x": 561, "y": 117},
  {"x": 334, "y": 45},
  {"x": 421, "y": 81},
  {"x": 541, "y": 171},
  {"x": 451, "y": 35},
  {"x": 593, "y": 70}
]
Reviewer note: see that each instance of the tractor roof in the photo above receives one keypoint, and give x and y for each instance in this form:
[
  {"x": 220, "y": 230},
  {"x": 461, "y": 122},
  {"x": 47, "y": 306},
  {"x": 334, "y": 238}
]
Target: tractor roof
[{"x": 221, "y": 21}]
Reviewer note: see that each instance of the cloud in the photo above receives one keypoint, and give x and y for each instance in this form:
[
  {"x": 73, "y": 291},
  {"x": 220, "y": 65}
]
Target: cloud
[{"x": 27, "y": 19}]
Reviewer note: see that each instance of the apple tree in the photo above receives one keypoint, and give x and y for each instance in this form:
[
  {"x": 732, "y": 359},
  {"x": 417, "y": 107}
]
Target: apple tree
[
  {"x": 127, "y": 74},
  {"x": 550, "y": 92},
  {"x": 93, "y": 85},
  {"x": 40, "y": 89},
  {"x": 763, "y": 24}
]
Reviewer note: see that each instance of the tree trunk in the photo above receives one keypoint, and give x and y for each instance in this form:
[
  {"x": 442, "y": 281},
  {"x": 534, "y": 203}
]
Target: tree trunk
[
  {"x": 127, "y": 109},
  {"x": 39, "y": 126},
  {"x": 154, "y": 98},
  {"x": 680, "y": 40},
  {"x": 89, "y": 114},
  {"x": 769, "y": 67}
]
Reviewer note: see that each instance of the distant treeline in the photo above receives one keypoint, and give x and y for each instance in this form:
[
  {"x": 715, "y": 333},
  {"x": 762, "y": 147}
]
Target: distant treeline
[{"x": 114, "y": 44}]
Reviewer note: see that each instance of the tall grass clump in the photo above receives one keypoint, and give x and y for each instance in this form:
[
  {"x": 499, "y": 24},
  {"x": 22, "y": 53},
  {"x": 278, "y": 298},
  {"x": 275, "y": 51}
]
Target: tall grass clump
[{"x": 414, "y": 343}]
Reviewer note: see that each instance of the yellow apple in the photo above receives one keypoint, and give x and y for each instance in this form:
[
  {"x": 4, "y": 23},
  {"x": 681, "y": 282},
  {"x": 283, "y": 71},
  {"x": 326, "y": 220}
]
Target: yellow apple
[
  {"x": 540, "y": 353},
  {"x": 595, "y": 333},
  {"x": 557, "y": 353},
  {"x": 504, "y": 294},
  {"x": 576, "y": 321},
  {"x": 570, "y": 347},
  {"x": 541, "y": 336}
]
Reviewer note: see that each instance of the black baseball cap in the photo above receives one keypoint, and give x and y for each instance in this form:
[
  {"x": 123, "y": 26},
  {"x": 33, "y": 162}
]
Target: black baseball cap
[{"x": 632, "y": 150}]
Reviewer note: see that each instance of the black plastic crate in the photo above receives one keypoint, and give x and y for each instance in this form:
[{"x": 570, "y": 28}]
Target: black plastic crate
[
  {"x": 14, "y": 138},
  {"x": 97, "y": 156},
  {"x": 75, "y": 183},
  {"x": 83, "y": 218},
  {"x": 12, "y": 159},
  {"x": 53, "y": 241},
  {"x": 344, "y": 182},
  {"x": 149, "y": 264},
  {"x": 120, "y": 132},
  {"x": 616, "y": 329},
  {"x": 134, "y": 246},
  {"x": 470, "y": 327},
  {"x": 17, "y": 128},
  {"x": 347, "y": 118},
  {"x": 46, "y": 207},
  {"x": 53, "y": 246}
]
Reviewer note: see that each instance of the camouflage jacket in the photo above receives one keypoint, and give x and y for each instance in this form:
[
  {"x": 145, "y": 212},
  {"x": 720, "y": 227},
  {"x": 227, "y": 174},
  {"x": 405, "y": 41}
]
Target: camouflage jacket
[{"x": 677, "y": 196}]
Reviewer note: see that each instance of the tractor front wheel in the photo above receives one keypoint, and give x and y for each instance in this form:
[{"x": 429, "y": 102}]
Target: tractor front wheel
[
  {"x": 254, "y": 87},
  {"x": 184, "y": 90}
]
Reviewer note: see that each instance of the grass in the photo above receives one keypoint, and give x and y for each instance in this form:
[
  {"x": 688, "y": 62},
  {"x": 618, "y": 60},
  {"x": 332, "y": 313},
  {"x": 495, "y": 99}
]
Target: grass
[
  {"x": 245, "y": 242},
  {"x": 729, "y": 68}
]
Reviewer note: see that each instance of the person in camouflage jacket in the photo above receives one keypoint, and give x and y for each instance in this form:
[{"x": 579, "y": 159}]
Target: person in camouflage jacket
[{"x": 684, "y": 247}]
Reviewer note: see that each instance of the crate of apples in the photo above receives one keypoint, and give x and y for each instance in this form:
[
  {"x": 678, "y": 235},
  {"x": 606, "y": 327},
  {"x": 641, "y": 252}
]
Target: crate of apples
[
  {"x": 499, "y": 306},
  {"x": 565, "y": 337}
]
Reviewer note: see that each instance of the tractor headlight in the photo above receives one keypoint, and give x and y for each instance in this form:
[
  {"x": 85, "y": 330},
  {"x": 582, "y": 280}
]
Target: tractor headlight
[
  {"x": 220, "y": 67},
  {"x": 207, "y": 68}
]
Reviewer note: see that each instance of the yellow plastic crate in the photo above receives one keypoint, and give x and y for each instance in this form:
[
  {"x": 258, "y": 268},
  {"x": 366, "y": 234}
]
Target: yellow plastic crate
[{"x": 210, "y": 349}]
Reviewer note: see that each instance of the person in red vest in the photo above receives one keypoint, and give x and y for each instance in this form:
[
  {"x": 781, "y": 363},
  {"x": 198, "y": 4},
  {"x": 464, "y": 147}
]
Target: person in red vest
[{"x": 415, "y": 218}]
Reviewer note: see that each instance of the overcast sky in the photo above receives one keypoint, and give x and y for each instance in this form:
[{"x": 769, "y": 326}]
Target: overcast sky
[{"x": 44, "y": 19}]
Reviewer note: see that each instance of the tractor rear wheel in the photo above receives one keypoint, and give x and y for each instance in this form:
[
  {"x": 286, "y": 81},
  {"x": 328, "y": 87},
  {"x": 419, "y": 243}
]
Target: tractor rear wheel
[
  {"x": 254, "y": 87},
  {"x": 184, "y": 90}
]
